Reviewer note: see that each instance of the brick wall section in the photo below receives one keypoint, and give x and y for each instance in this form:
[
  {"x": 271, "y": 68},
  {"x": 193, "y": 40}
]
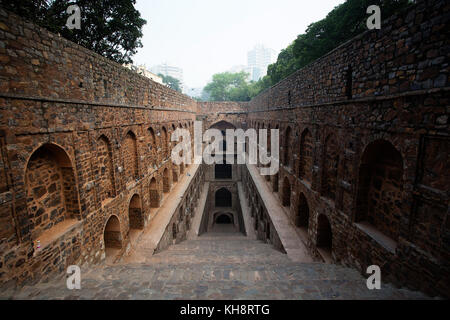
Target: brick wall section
[
  {"x": 406, "y": 55},
  {"x": 53, "y": 92},
  {"x": 386, "y": 209},
  {"x": 221, "y": 107},
  {"x": 60, "y": 96}
]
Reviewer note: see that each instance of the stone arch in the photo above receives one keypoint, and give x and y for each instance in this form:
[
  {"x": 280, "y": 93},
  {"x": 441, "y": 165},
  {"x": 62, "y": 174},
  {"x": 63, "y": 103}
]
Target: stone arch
[
  {"x": 302, "y": 217},
  {"x": 380, "y": 188},
  {"x": 223, "y": 198},
  {"x": 152, "y": 138},
  {"x": 135, "y": 213},
  {"x": 130, "y": 156},
  {"x": 224, "y": 218},
  {"x": 105, "y": 168},
  {"x": 330, "y": 167},
  {"x": 181, "y": 168},
  {"x": 268, "y": 233},
  {"x": 287, "y": 146},
  {"x": 166, "y": 181},
  {"x": 324, "y": 234},
  {"x": 174, "y": 173},
  {"x": 154, "y": 194},
  {"x": 174, "y": 231},
  {"x": 222, "y": 125},
  {"x": 51, "y": 189},
  {"x": 306, "y": 156},
  {"x": 112, "y": 235},
  {"x": 165, "y": 142},
  {"x": 275, "y": 182},
  {"x": 152, "y": 145},
  {"x": 286, "y": 200}
]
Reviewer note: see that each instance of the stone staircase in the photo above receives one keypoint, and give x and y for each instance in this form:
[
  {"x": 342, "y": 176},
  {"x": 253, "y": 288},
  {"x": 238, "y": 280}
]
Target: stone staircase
[{"x": 216, "y": 266}]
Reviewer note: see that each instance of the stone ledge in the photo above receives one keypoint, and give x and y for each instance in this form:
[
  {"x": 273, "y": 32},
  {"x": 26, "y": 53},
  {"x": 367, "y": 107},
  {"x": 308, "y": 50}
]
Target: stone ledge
[
  {"x": 55, "y": 233},
  {"x": 383, "y": 240}
]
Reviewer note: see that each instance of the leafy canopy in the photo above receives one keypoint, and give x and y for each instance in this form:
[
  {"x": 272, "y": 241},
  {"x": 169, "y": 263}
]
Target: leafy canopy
[
  {"x": 228, "y": 87},
  {"x": 172, "y": 82},
  {"x": 112, "y": 28},
  {"x": 344, "y": 22}
]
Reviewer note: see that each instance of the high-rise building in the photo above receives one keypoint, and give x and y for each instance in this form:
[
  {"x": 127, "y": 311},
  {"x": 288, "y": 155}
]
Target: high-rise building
[
  {"x": 258, "y": 59},
  {"x": 168, "y": 70},
  {"x": 142, "y": 70}
]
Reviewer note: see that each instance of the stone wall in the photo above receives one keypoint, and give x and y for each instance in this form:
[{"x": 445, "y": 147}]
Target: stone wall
[
  {"x": 365, "y": 161},
  {"x": 371, "y": 168},
  {"x": 80, "y": 136}
]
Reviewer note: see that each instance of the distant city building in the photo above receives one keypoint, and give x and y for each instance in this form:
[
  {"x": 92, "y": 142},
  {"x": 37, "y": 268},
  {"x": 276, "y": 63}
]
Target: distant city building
[
  {"x": 258, "y": 59},
  {"x": 193, "y": 92},
  {"x": 142, "y": 70},
  {"x": 168, "y": 70}
]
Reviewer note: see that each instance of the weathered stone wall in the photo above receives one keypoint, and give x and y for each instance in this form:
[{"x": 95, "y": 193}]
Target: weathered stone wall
[
  {"x": 80, "y": 136},
  {"x": 371, "y": 168},
  {"x": 261, "y": 220},
  {"x": 406, "y": 55},
  {"x": 181, "y": 221},
  {"x": 365, "y": 162},
  {"x": 221, "y": 107}
]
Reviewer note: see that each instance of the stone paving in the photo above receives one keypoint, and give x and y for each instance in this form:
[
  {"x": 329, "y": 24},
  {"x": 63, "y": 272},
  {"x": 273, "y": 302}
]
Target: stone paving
[{"x": 216, "y": 266}]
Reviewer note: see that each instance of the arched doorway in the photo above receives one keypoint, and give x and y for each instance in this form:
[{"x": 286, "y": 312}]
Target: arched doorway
[
  {"x": 286, "y": 200},
  {"x": 324, "y": 234},
  {"x": 302, "y": 217},
  {"x": 175, "y": 173},
  {"x": 154, "y": 194},
  {"x": 380, "y": 187},
  {"x": 330, "y": 167},
  {"x": 106, "y": 169},
  {"x": 51, "y": 189},
  {"x": 166, "y": 181},
  {"x": 224, "y": 219},
  {"x": 165, "y": 142},
  {"x": 135, "y": 214},
  {"x": 112, "y": 236},
  {"x": 306, "y": 156},
  {"x": 287, "y": 146},
  {"x": 223, "y": 198},
  {"x": 130, "y": 157},
  {"x": 275, "y": 183}
]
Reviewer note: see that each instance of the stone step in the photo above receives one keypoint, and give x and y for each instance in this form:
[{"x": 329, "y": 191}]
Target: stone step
[{"x": 216, "y": 269}]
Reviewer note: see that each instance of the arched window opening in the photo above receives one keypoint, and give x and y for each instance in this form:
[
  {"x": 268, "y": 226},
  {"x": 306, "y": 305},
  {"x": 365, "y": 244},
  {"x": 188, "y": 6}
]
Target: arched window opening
[
  {"x": 380, "y": 188},
  {"x": 223, "y": 198}
]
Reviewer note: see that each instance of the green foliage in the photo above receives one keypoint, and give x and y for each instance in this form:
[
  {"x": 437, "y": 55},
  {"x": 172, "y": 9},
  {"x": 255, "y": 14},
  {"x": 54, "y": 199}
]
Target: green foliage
[
  {"x": 112, "y": 28},
  {"x": 228, "y": 87},
  {"x": 341, "y": 24},
  {"x": 173, "y": 83}
]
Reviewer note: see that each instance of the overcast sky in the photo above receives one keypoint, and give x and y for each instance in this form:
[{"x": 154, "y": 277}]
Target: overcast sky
[{"x": 205, "y": 37}]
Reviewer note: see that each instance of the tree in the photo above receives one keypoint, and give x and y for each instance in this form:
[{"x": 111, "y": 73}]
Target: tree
[
  {"x": 340, "y": 25},
  {"x": 228, "y": 87},
  {"x": 112, "y": 28},
  {"x": 173, "y": 83}
]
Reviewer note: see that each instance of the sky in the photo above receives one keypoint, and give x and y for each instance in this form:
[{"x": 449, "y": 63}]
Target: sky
[{"x": 205, "y": 37}]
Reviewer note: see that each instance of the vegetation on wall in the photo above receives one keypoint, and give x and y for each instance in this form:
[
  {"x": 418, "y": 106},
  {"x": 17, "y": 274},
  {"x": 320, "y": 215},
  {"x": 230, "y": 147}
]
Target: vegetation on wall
[
  {"x": 111, "y": 28},
  {"x": 340, "y": 25},
  {"x": 172, "y": 82}
]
